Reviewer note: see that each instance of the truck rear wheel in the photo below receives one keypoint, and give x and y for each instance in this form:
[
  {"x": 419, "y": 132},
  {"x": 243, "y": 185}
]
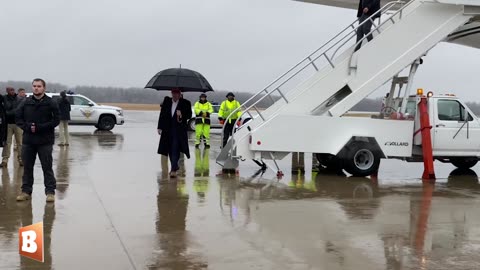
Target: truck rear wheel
[
  {"x": 361, "y": 159},
  {"x": 463, "y": 163}
]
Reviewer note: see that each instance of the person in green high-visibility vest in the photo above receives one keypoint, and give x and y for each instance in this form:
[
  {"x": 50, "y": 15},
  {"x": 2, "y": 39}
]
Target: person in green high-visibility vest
[
  {"x": 202, "y": 109},
  {"x": 226, "y": 108}
]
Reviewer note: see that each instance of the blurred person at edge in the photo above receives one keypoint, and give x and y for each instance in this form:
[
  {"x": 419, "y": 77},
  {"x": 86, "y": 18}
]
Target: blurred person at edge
[
  {"x": 11, "y": 101},
  {"x": 64, "y": 109}
]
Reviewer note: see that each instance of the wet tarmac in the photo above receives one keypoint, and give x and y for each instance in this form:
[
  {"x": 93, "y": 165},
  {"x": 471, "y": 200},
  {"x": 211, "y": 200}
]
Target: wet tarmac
[{"x": 117, "y": 209}]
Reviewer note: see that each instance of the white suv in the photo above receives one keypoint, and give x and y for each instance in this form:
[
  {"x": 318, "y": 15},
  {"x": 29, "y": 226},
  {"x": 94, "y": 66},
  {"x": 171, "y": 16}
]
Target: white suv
[{"x": 86, "y": 112}]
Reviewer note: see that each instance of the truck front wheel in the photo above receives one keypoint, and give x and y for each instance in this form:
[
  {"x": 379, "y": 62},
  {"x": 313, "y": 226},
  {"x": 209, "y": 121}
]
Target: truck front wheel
[
  {"x": 330, "y": 163},
  {"x": 361, "y": 159},
  {"x": 463, "y": 163}
]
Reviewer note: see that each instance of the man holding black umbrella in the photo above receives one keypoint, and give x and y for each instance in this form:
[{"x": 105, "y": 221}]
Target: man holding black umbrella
[
  {"x": 176, "y": 111},
  {"x": 172, "y": 128}
]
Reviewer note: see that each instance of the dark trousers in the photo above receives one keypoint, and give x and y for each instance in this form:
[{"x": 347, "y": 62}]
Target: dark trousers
[
  {"x": 174, "y": 153},
  {"x": 227, "y": 132},
  {"x": 364, "y": 30},
  {"x": 29, "y": 155}
]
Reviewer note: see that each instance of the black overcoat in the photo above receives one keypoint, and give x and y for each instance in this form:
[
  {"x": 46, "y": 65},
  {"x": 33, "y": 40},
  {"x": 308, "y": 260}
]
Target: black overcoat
[
  {"x": 372, "y": 5},
  {"x": 165, "y": 124}
]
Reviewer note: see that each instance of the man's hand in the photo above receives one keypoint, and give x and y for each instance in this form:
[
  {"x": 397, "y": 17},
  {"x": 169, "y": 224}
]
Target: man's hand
[
  {"x": 179, "y": 116},
  {"x": 33, "y": 128},
  {"x": 365, "y": 10},
  {"x": 159, "y": 131}
]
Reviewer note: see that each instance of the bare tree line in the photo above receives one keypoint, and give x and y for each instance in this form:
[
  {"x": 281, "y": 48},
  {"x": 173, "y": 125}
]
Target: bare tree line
[
  {"x": 138, "y": 95},
  {"x": 131, "y": 95}
]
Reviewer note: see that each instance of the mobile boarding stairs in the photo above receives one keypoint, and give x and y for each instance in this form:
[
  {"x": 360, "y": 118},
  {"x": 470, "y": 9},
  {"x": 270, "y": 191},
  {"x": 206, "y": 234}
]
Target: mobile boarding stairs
[{"x": 309, "y": 100}]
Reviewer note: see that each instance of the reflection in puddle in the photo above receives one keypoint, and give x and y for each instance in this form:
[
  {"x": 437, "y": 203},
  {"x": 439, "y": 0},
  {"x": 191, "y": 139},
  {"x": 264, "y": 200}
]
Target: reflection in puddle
[
  {"x": 173, "y": 240},
  {"x": 365, "y": 214}
]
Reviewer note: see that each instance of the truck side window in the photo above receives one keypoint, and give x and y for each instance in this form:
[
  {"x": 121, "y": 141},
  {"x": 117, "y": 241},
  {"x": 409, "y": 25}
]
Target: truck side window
[{"x": 451, "y": 110}]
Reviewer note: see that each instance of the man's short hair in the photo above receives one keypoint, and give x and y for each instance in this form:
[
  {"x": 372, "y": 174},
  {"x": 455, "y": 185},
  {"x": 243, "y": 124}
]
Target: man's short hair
[
  {"x": 40, "y": 80},
  {"x": 21, "y": 90}
]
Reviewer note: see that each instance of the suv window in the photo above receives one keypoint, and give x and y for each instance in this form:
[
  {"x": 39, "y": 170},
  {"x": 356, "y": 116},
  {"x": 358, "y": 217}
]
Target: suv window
[
  {"x": 451, "y": 110},
  {"x": 80, "y": 101}
]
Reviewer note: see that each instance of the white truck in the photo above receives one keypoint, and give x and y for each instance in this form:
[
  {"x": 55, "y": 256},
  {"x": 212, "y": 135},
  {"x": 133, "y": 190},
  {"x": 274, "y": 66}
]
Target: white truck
[
  {"x": 88, "y": 113},
  {"x": 454, "y": 129}
]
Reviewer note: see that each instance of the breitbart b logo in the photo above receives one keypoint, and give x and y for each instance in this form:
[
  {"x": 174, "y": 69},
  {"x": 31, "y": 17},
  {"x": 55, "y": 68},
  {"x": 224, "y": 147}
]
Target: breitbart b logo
[{"x": 31, "y": 241}]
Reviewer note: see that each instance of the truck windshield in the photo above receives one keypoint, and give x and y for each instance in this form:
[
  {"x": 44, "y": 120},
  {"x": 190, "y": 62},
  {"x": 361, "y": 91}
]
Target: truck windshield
[
  {"x": 411, "y": 107},
  {"x": 451, "y": 110}
]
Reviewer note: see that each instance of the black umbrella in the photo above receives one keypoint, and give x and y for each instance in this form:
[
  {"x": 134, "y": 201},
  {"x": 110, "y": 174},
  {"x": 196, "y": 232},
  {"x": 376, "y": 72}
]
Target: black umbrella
[{"x": 185, "y": 79}]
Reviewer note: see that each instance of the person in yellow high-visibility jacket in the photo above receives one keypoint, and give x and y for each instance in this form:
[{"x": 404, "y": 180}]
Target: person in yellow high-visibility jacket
[
  {"x": 226, "y": 108},
  {"x": 202, "y": 109}
]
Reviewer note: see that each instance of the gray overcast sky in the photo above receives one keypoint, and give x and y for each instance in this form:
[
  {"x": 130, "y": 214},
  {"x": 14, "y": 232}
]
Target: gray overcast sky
[{"x": 237, "y": 45}]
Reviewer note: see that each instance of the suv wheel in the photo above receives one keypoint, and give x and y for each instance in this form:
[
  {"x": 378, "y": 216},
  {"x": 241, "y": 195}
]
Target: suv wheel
[
  {"x": 191, "y": 124},
  {"x": 106, "y": 122}
]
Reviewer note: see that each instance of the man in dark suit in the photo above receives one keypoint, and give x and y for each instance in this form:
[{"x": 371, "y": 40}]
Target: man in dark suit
[
  {"x": 37, "y": 116},
  {"x": 172, "y": 128},
  {"x": 366, "y": 8}
]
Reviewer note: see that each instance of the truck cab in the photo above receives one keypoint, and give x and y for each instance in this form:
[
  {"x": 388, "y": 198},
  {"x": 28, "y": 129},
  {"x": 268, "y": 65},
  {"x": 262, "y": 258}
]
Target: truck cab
[{"x": 455, "y": 129}]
